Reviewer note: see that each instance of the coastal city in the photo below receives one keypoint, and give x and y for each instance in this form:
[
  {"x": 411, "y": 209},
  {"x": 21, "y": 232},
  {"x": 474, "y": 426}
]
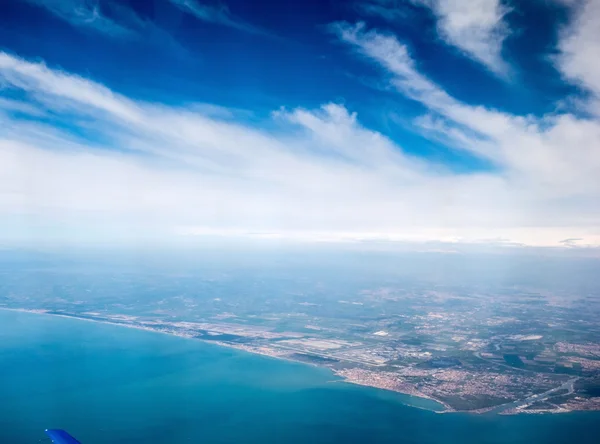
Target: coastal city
[{"x": 465, "y": 347}]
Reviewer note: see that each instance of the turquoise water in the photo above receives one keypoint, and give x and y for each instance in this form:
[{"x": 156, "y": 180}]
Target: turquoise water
[{"x": 108, "y": 384}]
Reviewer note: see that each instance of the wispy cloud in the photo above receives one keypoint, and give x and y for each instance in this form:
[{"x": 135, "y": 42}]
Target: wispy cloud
[
  {"x": 391, "y": 10},
  {"x": 112, "y": 19},
  {"x": 476, "y": 27},
  {"x": 216, "y": 13},
  {"x": 84, "y": 14},
  {"x": 571, "y": 242},
  {"x": 158, "y": 171},
  {"x": 579, "y": 46},
  {"x": 553, "y": 158}
]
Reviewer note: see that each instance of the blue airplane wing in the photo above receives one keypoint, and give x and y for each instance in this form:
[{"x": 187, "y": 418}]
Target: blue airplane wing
[{"x": 58, "y": 436}]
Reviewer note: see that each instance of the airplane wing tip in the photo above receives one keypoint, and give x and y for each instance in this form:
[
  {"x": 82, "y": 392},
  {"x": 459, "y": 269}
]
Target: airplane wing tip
[{"x": 58, "y": 436}]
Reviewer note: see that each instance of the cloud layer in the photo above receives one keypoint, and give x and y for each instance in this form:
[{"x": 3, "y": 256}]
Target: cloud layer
[{"x": 77, "y": 159}]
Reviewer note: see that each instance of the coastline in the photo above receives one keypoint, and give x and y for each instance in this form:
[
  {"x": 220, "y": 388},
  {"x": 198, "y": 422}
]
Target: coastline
[
  {"x": 503, "y": 409},
  {"x": 343, "y": 379},
  {"x": 100, "y": 382}
]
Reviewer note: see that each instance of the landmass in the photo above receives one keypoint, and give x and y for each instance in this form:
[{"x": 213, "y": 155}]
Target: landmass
[
  {"x": 471, "y": 347},
  {"x": 475, "y": 386}
]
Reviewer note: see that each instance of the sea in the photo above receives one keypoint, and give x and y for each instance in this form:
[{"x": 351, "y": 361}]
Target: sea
[{"x": 109, "y": 384}]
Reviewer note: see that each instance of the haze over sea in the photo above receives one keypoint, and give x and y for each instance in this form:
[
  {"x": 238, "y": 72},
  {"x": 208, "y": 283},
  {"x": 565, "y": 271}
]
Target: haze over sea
[{"x": 108, "y": 384}]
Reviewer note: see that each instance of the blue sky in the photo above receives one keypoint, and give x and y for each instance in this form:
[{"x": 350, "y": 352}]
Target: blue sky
[{"x": 395, "y": 120}]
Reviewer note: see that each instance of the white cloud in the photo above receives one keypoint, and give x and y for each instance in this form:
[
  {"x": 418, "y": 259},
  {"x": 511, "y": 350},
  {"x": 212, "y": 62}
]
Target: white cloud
[
  {"x": 37, "y": 78},
  {"x": 526, "y": 144},
  {"x": 579, "y": 46},
  {"x": 476, "y": 27},
  {"x": 154, "y": 170},
  {"x": 548, "y": 162},
  {"x": 394, "y": 57}
]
